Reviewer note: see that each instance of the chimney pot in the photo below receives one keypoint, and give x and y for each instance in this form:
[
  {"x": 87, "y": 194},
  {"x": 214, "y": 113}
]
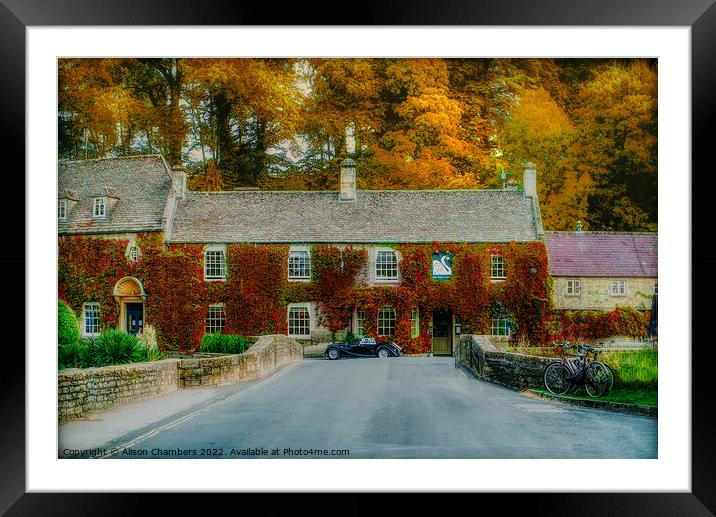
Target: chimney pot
[
  {"x": 529, "y": 180},
  {"x": 579, "y": 227},
  {"x": 348, "y": 180}
]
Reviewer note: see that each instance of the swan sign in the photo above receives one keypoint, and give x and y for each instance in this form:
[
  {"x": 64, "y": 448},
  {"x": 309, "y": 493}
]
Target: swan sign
[{"x": 442, "y": 266}]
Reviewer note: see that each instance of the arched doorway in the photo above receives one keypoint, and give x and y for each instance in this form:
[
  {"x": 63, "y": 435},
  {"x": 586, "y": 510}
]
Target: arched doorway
[{"x": 130, "y": 296}]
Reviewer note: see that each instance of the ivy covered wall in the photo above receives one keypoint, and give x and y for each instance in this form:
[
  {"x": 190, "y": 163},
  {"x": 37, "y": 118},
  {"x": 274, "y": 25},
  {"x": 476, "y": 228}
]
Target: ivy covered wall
[{"x": 256, "y": 291}]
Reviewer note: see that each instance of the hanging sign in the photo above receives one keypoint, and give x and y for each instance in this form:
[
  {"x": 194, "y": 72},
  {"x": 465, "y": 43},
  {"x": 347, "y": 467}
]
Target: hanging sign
[{"x": 442, "y": 266}]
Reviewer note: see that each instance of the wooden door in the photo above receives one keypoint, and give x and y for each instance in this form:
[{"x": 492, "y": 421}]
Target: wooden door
[{"x": 442, "y": 332}]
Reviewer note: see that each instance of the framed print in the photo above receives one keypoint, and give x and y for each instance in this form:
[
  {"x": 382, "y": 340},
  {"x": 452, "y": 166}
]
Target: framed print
[{"x": 660, "y": 465}]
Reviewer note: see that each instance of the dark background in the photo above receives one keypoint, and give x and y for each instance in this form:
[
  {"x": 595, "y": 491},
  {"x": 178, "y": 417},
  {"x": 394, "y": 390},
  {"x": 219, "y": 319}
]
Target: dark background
[{"x": 700, "y": 15}]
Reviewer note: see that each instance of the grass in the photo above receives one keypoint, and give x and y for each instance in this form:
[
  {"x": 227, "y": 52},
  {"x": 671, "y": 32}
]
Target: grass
[
  {"x": 636, "y": 376},
  {"x": 640, "y": 396},
  {"x": 633, "y": 369}
]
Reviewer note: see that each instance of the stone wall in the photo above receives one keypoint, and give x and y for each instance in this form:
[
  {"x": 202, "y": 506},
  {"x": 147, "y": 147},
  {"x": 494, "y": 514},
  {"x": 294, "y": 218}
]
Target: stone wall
[
  {"x": 509, "y": 369},
  {"x": 267, "y": 354},
  {"x": 596, "y": 294},
  {"x": 81, "y": 391}
]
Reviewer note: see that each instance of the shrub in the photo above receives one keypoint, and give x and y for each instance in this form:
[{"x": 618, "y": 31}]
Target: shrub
[
  {"x": 112, "y": 347},
  {"x": 68, "y": 355},
  {"x": 68, "y": 330},
  {"x": 148, "y": 340},
  {"x": 224, "y": 343}
]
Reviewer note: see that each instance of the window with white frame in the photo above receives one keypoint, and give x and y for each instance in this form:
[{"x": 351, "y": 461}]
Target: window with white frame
[
  {"x": 100, "y": 207},
  {"x": 299, "y": 321},
  {"x": 500, "y": 326},
  {"x": 386, "y": 321},
  {"x": 299, "y": 265},
  {"x": 386, "y": 265},
  {"x": 62, "y": 210},
  {"x": 414, "y": 323},
  {"x": 619, "y": 288},
  {"x": 497, "y": 267},
  {"x": 90, "y": 319},
  {"x": 574, "y": 288},
  {"x": 133, "y": 253},
  {"x": 214, "y": 264},
  {"x": 215, "y": 319},
  {"x": 360, "y": 324}
]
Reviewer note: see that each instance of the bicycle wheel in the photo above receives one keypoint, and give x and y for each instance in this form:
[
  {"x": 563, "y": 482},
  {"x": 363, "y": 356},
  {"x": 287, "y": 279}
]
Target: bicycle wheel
[
  {"x": 596, "y": 380},
  {"x": 556, "y": 378},
  {"x": 610, "y": 375}
]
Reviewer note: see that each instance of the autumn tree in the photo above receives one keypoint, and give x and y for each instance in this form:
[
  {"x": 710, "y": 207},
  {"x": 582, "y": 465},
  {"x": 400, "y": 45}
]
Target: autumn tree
[{"x": 617, "y": 112}]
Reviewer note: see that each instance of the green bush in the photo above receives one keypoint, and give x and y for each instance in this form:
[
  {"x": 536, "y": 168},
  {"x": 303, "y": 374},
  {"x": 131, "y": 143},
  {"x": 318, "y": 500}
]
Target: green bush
[
  {"x": 68, "y": 355},
  {"x": 112, "y": 347},
  {"x": 224, "y": 343},
  {"x": 68, "y": 329}
]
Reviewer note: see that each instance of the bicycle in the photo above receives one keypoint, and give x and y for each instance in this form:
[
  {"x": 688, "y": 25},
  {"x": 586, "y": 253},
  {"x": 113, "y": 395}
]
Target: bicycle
[
  {"x": 607, "y": 369},
  {"x": 567, "y": 375}
]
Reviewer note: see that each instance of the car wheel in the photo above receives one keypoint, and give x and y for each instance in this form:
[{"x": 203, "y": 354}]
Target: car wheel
[
  {"x": 383, "y": 353},
  {"x": 333, "y": 354}
]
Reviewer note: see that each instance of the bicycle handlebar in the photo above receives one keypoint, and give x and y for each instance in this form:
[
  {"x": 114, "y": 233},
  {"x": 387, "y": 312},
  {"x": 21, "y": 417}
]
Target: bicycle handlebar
[{"x": 587, "y": 348}]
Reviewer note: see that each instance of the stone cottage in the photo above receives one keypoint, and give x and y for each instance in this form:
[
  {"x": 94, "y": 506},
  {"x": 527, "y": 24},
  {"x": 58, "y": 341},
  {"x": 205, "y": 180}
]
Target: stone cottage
[
  {"x": 602, "y": 270},
  {"x": 415, "y": 266}
]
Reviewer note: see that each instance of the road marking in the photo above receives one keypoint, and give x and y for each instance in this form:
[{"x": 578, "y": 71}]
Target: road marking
[{"x": 188, "y": 417}]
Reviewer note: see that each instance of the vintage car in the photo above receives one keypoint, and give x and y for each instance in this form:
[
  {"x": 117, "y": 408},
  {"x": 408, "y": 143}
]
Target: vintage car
[{"x": 366, "y": 347}]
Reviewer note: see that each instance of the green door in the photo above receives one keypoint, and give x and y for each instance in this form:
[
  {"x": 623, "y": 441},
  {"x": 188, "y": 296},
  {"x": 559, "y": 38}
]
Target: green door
[{"x": 442, "y": 332}]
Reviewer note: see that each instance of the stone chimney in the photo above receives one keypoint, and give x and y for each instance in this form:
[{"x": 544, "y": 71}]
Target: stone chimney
[
  {"x": 529, "y": 180},
  {"x": 348, "y": 180},
  {"x": 179, "y": 181}
]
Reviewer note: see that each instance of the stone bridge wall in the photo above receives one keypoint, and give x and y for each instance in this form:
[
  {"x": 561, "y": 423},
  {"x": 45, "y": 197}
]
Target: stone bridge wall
[
  {"x": 517, "y": 371},
  {"x": 267, "y": 354},
  {"x": 83, "y": 390}
]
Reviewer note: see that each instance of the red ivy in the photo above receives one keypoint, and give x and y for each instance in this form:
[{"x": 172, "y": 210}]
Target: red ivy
[{"x": 256, "y": 291}]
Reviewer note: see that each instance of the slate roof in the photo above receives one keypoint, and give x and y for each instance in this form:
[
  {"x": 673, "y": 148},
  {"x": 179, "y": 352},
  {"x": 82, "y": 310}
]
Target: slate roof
[
  {"x": 141, "y": 184},
  {"x": 602, "y": 254},
  {"x": 376, "y": 216}
]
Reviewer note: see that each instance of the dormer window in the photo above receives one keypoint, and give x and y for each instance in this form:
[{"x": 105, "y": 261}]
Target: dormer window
[
  {"x": 100, "y": 207},
  {"x": 62, "y": 210}
]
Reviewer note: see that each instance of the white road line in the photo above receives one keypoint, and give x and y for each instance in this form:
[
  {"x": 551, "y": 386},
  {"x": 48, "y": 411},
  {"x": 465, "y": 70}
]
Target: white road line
[{"x": 188, "y": 417}]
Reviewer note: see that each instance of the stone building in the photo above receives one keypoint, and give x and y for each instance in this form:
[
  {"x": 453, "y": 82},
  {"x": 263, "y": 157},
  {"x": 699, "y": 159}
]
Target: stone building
[
  {"x": 119, "y": 200},
  {"x": 602, "y": 270},
  {"x": 126, "y": 199}
]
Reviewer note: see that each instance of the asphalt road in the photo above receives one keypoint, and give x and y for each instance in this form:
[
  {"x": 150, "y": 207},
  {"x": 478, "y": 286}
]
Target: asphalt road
[{"x": 408, "y": 407}]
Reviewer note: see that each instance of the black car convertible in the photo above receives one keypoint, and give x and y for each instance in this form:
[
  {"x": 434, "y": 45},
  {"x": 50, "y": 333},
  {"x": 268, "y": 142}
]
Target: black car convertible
[{"x": 366, "y": 347}]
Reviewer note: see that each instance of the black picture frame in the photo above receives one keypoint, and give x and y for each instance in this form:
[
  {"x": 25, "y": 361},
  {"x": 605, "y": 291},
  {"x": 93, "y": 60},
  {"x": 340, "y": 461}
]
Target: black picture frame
[{"x": 699, "y": 15}]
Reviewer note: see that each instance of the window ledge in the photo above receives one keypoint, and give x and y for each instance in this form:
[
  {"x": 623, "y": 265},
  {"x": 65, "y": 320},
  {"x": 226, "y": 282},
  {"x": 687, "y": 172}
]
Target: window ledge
[
  {"x": 299, "y": 279},
  {"x": 215, "y": 279},
  {"x": 498, "y": 279}
]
